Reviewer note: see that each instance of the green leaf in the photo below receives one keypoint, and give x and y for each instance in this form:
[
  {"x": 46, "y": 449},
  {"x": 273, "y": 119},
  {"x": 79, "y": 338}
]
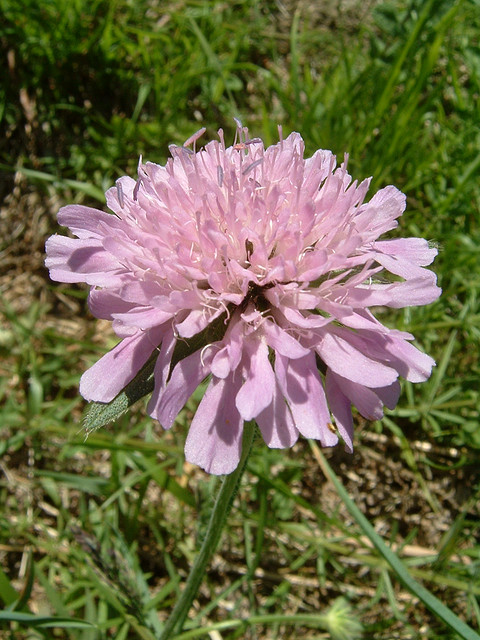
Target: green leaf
[{"x": 98, "y": 414}]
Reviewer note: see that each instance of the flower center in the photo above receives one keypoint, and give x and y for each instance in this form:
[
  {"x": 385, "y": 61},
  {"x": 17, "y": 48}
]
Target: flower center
[{"x": 255, "y": 295}]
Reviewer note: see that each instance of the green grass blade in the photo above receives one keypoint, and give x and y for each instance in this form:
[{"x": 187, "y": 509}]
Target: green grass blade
[
  {"x": 386, "y": 96},
  {"x": 429, "y": 600},
  {"x": 32, "y": 620},
  {"x": 84, "y": 187},
  {"x": 8, "y": 595}
]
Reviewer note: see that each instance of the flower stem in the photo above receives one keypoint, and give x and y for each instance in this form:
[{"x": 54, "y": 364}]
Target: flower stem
[{"x": 218, "y": 517}]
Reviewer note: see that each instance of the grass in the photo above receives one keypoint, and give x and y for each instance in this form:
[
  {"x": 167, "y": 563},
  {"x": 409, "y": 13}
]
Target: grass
[{"x": 96, "y": 535}]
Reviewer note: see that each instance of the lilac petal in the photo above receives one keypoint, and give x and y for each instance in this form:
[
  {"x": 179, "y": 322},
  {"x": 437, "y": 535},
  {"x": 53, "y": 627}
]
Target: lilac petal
[
  {"x": 282, "y": 342},
  {"x": 196, "y": 321},
  {"x": 222, "y": 363},
  {"x": 127, "y": 185},
  {"x": 107, "y": 377},
  {"x": 161, "y": 371},
  {"x": 405, "y": 268},
  {"x": 412, "y": 293},
  {"x": 71, "y": 260},
  {"x": 228, "y": 357},
  {"x": 84, "y": 221},
  {"x": 214, "y": 440},
  {"x": 103, "y": 303},
  {"x": 143, "y": 317},
  {"x": 302, "y": 388},
  {"x": 343, "y": 358},
  {"x": 257, "y": 391},
  {"x": 379, "y": 215},
  {"x": 186, "y": 376},
  {"x": 410, "y": 362},
  {"x": 415, "y": 250},
  {"x": 340, "y": 407},
  {"x": 276, "y": 423},
  {"x": 143, "y": 292},
  {"x": 313, "y": 265},
  {"x": 389, "y": 395},
  {"x": 312, "y": 321},
  {"x": 365, "y": 399}
]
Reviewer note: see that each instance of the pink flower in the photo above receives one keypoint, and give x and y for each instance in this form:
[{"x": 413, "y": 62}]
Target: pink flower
[{"x": 279, "y": 255}]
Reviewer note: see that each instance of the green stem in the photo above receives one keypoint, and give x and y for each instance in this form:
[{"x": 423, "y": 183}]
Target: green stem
[{"x": 218, "y": 517}]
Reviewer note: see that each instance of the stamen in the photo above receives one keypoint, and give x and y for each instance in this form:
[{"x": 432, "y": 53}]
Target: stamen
[
  {"x": 220, "y": 175},
  {"x": 136, "y": 188},
  {"x": 175, "y": 150},
  {"x": 207, "y": 346},
  {"x": 252, "y": 166},
  {"x": 240, "y": 135},
  {"x": 193, "y": 138},
  {"x": 222, "y": 139},
  {"x": 120, "y": 194},
  {"x": 140, "y": 167}
]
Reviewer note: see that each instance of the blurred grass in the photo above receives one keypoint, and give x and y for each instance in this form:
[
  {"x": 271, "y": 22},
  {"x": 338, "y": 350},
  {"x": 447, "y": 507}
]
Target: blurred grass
[{"x": 110, "y": 522}]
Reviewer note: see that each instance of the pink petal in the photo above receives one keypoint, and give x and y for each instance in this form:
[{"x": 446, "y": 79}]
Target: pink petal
[
  {"x": 276, "y": 423},
  {"x": 143, "y": 292},
  {"x": 340, "y": 407},
  {"x": 282, "y": 342},
  {"x": 343, "y": 358},
  {"x": 166, "y": 403},
  {"x": 84, "y": 221},
  {"x": 389, "y": 395},
  {"x": 257, "y": 391},
  {"x": 405, "y": 268},
  {"x": 124, "y": 187},
  {"x": 71, "y": 260},
  {"x": 302, "y": 388},
  {"x": 214, "y": 440},
  {"x": 415, "y": 250},
  {"x": 118, "y": 367},
  {"x": 394, "y": 349},
  {"x": 161, "y": 371},
  {"x": 143, "y": 317},
  {"x": 103, "y": 303},
  {"x": 311, "y": 321},
  {"x": 415, "y": 292},
  {"x": 365, "y": 399},
  {"x": 222, "y": 363},
  {"x": 409, "y": 361},
  {"x": 379, "y": 215},
  {"x": 196, "y": 321},
  {"x": 228, "y": 357}
]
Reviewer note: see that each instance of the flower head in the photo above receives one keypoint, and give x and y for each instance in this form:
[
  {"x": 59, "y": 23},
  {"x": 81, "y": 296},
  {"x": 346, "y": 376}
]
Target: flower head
[{"x": 274, "y": 259}]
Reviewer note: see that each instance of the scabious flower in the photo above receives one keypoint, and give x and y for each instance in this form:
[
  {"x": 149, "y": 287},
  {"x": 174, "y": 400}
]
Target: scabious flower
[{"x": 274, "y": 260}]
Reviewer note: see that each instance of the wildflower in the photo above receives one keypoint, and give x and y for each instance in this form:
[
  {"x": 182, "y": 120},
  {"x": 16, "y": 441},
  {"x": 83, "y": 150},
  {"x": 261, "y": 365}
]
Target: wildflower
[{"x": 274, "y": 260}]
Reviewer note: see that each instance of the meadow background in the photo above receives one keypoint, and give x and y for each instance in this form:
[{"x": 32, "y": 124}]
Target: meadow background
[{"x": 103, "y": 530}]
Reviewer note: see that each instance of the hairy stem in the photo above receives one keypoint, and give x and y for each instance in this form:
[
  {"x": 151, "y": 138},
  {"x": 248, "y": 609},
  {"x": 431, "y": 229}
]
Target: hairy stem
[{"x": 218, "y": 517}]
